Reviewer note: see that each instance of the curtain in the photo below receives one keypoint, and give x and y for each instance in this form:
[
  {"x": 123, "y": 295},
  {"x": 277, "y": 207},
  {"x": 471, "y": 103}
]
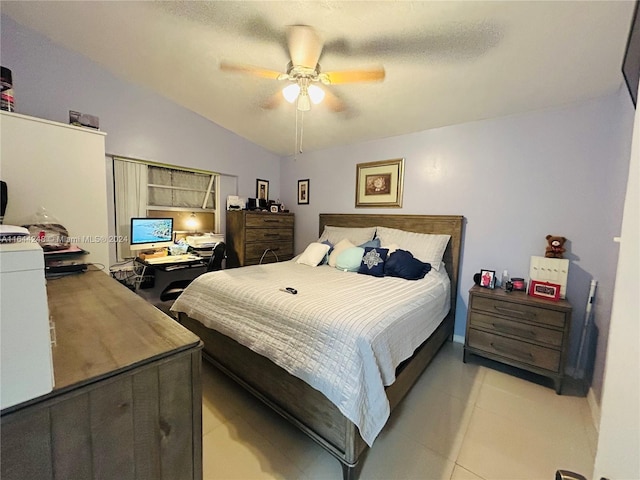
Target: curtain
[{"x": 130, "y": 180}]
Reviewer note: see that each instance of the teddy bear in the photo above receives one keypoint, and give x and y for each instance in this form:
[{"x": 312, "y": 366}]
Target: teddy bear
[{"x": 555, "y": 246}]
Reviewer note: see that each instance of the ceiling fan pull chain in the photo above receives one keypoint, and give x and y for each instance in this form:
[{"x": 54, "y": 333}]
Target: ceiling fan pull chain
[
  {"x": 301, "y": 129},
  {"x": 295, "y": 146}
]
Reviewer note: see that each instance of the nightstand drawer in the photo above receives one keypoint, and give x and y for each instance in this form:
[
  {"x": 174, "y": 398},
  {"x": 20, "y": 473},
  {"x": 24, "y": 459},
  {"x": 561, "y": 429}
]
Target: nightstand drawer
[
  {"x": 502, "y": 326},
  {"x": 523, "y": 352},
  {"x": 271, "y": 220},
  {"x": 519, "y": 310},
  {"x": 265, "y": 235}
]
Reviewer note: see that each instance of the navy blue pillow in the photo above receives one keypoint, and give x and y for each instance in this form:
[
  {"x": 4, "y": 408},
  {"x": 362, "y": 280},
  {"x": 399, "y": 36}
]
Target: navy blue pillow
[
  {"x": 402, "y": 263},
  {"x": 373, "y": 261}
]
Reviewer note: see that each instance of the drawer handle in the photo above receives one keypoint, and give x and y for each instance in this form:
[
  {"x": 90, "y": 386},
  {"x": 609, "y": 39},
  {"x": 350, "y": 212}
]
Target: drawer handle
[
  {"x": 509, "y": 311},
  {"x": 273, "y": 235},
  {"x": 515, "y": 330},
  {"x": 512, "y": 352},
  {"x": 273, "y": 220}
]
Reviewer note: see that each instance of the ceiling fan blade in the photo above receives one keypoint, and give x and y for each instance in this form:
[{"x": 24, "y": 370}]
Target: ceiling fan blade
[
  {"x": 353, "y": 76},
  {"x": 250, "y": 69},
  {"x": 305, "y": 45},
  {"x": 274, "y": 101},
  {"x": 332, "y": 102}
]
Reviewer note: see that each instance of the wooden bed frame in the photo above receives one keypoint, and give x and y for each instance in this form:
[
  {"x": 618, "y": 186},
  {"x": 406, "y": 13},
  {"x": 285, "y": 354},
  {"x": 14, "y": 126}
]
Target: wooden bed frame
[{"x": 301, "y": 404}]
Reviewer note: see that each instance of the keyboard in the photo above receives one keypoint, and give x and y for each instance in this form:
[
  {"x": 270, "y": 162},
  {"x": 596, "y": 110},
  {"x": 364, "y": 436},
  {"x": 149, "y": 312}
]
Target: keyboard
[{"x": 173, "y": 259}]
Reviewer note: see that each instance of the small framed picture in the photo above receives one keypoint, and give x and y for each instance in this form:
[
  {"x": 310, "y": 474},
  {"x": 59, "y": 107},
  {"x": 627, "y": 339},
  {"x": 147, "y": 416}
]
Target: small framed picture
[
  {"x": 487, "y": 278},
  {"x": 303, "y": 192},
  {"x": 275, "y": 208},
  {"x": 549, "y": 291},
  {"x": 262, "y": 189}
]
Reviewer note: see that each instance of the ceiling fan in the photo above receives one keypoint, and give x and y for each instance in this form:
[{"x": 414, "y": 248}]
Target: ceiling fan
[{"x": 303, "y": 74}]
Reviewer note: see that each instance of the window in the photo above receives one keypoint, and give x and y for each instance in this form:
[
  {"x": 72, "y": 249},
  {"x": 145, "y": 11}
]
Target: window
[
  {"x": 181, "y": 189},
  {"x": 143, "y": 189}
]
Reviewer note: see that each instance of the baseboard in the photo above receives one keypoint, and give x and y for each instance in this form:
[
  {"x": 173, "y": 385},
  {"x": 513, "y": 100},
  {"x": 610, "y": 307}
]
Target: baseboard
[
  {"x": 594, "y": 408},
  {"x": 458, "y": 339}
]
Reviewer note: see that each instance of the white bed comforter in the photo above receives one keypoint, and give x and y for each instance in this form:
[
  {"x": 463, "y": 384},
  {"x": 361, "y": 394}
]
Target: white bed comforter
[{"x": 343, "y": 333}]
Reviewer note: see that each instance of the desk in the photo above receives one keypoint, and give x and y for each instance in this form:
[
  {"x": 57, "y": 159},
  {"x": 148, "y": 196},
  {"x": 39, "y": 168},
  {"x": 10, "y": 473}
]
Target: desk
[{"x": 164, "y": 274}]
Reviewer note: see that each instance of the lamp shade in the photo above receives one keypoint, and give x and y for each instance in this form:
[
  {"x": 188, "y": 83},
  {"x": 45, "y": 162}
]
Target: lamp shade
[
  {"x": 291, "y": 92},
  {"x": 316, "y": 94}
]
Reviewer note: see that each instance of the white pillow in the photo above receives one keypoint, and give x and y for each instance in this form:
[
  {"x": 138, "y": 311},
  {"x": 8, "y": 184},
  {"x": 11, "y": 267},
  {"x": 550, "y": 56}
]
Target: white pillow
[
  {"x": 313, "y": 254},
  {"x": 426, "y": 247},
  {"x": 392, "y": 247},
  {"x": 338, "y": 248},
  {"x": 356, "y": 235}
]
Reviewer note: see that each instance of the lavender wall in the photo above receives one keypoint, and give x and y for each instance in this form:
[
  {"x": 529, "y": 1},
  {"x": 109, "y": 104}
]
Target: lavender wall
[
  {"x": 515, "y": 179},
  {"x": 49, "y": 81}
]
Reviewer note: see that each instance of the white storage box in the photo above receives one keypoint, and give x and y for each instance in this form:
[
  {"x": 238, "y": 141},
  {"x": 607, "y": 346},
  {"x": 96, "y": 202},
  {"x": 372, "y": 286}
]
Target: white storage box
[{"x": 551, "y": 270}]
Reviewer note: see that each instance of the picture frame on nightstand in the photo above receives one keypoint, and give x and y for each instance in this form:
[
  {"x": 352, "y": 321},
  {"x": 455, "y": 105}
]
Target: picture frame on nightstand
[
  {"x": 488, "y": 278},
  {"x": 546, "y": 290}
]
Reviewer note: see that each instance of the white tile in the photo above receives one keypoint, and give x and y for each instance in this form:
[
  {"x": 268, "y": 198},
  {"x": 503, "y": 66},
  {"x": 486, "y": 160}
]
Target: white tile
[
  {"x": 288, "y": 439},
  {"x": 447, "y": 374},
  {"x": 236, "y": 451},
  {"x": 499, "y": 447},
  {"x": 460, "y": 473},
  {"x": 438, "y": 421},
  {"x": 324, "y": 467},
  {"x": 546, "y": 412}
]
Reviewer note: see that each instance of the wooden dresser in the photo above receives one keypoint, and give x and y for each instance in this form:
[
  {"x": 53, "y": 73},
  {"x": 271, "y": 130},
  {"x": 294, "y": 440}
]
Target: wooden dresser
[
  {"x": 250, "y": 234},
  {"x": 519, "y": 330},
  {"x": 127, "y": 401}
]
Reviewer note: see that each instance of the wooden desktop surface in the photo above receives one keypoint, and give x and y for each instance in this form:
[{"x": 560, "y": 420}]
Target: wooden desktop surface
[{"x": 103, "y": 328}]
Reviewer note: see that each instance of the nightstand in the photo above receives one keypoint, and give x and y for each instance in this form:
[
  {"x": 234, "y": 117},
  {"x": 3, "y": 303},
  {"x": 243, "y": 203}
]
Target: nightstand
[{"x": 519, "y": 330}]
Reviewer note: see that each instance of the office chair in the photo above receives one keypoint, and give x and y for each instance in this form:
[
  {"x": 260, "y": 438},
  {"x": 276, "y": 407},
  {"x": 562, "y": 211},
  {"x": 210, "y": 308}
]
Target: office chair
[{"x": 174, "y": 289}]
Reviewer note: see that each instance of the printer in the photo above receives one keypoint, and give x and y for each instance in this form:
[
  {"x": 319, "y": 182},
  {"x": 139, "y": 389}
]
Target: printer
[{"x": 203, "y": 244}]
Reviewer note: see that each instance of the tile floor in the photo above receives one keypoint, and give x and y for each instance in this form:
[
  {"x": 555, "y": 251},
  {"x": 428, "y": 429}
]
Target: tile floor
[{"x": 459, "y": 422}]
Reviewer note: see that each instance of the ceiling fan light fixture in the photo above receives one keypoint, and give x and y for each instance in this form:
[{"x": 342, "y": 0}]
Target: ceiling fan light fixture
[
  {"x": 316, "y": 94},
  {"x": 291, "y": 92},
  {"x": 304, "y": 105}
]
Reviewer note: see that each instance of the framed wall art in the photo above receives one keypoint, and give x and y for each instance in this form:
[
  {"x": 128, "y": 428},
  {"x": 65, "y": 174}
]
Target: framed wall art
[
  {"x": 303, "y": 192},
  {"x": 262, "y": 189},
  {"x": 550, "y": 291},
  {"x": 379, "y": 184}
]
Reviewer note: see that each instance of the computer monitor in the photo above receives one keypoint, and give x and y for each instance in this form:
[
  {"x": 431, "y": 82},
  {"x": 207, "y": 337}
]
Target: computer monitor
[{"x": 151, "y": 233}]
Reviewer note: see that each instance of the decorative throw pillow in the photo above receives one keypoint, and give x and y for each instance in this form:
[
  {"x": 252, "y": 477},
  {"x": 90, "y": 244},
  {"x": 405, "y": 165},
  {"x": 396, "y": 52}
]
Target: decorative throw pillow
[
  {"x": 402, "y": 264},
  {"x": 349, "y": 259},
  {"x": 356, "y": 235},
  {"x": 338, "y": 248},
  {"x": 373, "y": 261},
  {"x": 313, "y": 254},
  {"x": 325, "y": 260},
  {"x": 424, "y": 246},
  {"x": 375, "y": 243}
]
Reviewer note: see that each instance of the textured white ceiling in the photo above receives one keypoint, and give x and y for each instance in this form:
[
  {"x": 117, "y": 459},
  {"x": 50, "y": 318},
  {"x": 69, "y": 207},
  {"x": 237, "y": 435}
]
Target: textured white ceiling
[{"x": 446, "y": 62}]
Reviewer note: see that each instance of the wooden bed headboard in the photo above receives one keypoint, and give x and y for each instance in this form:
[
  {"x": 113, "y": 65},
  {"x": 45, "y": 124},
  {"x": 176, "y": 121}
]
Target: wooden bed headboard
[{"x": 443, "y": 224}]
